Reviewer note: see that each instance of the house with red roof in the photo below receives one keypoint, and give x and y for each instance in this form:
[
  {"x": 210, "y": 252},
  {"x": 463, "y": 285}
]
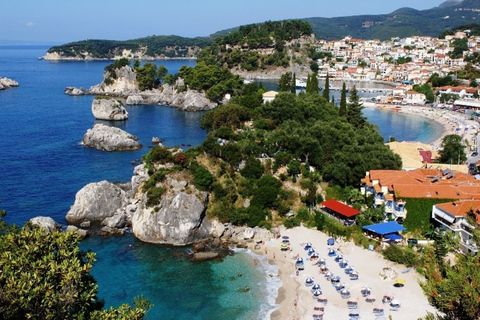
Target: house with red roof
[
  {"x": 388, "y": 187},
  {"x": 458, "y": 217},
  {"x": 341, "y": 211}
]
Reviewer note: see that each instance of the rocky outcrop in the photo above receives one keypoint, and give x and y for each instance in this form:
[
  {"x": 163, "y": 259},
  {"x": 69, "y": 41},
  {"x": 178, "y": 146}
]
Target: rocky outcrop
[
  {"x": 72, "y": 91},
  {"x": 81, "y": 232},
  {"x": 189, "y": 100},
  {"x": 6, "y": 83},
  {"x": 46, "y": 223},
  {"x": 97, "y": 201},
  {"x": 124, "y": 83},
  {"x": 108, "y": 138},
  {"x": 177, "y": 219},
  {"x": 106, "y": 108},
  {"x": 135, "y": 100}
]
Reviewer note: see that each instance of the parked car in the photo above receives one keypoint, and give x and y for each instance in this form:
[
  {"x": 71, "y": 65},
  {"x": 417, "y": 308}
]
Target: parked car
[{"x": 474, "y": 154}]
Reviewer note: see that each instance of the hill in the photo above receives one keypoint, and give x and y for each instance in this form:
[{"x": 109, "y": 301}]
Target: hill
[
  {"x": 147, "y": 47},
  {"x": 403, "y": 22}
]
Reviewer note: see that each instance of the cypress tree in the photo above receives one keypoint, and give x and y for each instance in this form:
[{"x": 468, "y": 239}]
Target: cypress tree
[
  {"x": 312, "y": 86},
  {"x": 343, "y": 102},
  {"x": 354, "y": 109},
  {"x": 333, "y": 100},
  {"x": 294, "y": 84},
  {"x": 326, "y": 91}
]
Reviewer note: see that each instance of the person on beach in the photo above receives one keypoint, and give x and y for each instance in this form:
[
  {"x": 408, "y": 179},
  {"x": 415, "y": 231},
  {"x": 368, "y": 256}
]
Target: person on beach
[{"x": 255, "y": 262}]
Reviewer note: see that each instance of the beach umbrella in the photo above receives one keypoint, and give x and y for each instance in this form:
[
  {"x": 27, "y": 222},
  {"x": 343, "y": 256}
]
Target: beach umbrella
[
  {"x": 322, "y": 260},
  {"x": 370, "y": 298},
  {"x": 318, "y": 313},
  {"x": 338, "y": 257},
  {"x": 316, "y": 286},
  {"x": 366, "y": 291},
  {"x": 322, "y": 298},
  {"x": 317, "y": 293},
  {"x": 352, "y": 300},
  {"x": 330, "y": 241},
  {"x": 314, "y": 255},
  {"x": 285, "y": 237},
  {"x": 299, "y": 260},
  {"x": 285, "y": 241},
  {"x": 389, "y": 295},
  {"x": 309, "y": 280},
  {"x": 399, "y": 283},
  {"x": 395, "y": 302}
]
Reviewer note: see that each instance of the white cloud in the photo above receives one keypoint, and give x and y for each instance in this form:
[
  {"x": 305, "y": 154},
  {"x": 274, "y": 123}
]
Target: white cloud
[{"x": 29, "y": 24}]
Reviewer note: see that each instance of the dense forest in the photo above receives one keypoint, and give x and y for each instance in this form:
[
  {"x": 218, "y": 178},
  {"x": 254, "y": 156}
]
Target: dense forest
[
  {"x": 167, "y": 46},
  {"x": 257, "y": 46}
]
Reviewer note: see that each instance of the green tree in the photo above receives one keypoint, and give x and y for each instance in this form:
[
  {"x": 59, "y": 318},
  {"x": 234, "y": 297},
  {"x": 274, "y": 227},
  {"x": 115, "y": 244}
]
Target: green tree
[
  {"x": 314, "y": 67},
  {"x": 293, "y": 88},
  {"x": 161, "y": 72},
  {"x": 46, "y": 276},
  {"x": 312, "y": 85},
  {"x": 326, "y": 90},
  {"x": 453, "y": 290},
  {"x": 285, "y": 82},
  {"x": 452, "y": 149},
  {"x": 342, "y": 111},
  {"x": 354, "y": 110}
]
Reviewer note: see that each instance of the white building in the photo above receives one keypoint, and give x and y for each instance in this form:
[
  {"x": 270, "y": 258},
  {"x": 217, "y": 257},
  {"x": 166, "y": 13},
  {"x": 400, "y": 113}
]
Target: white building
[{"x": 453, "y": 216}]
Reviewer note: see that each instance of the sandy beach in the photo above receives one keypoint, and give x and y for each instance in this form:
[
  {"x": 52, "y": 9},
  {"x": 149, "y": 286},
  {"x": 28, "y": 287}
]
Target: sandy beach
[
  {"x": 296, "y": 299},
  {"x": 450, "y": 121}
]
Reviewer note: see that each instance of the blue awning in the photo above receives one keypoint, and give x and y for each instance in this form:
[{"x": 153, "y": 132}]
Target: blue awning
[
  {"x": 384, "y": 228},
  {"x": 393, "y": 236}
]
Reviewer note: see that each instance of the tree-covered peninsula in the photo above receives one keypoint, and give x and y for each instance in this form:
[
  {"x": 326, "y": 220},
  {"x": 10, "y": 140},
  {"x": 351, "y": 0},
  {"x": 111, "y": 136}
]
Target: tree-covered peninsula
[{"x": 141, "y": 48}]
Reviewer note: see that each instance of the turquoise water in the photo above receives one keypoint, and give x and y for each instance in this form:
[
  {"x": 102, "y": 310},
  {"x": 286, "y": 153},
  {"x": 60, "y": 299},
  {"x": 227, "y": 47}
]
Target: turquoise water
[
  {"x": 43, "y": 165},
  {"x": 178, "y": 288}
]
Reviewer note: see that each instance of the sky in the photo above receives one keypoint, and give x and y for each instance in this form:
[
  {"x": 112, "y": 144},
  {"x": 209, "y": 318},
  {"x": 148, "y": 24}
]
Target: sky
[{"x": 61, "y": 21}]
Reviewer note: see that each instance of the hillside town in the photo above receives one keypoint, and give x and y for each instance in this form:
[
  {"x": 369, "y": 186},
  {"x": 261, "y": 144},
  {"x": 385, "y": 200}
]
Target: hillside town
[{"x": 403, "y": 61}]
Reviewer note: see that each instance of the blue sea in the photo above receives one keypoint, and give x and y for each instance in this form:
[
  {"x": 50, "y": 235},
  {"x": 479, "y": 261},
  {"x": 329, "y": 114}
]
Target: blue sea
[{"x": 43, "y": 165}]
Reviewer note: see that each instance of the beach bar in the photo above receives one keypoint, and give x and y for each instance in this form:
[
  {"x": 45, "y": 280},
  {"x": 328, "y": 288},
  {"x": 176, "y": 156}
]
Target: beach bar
[
  {"x": 388, "y": 231},
  {"x": 340, "y": 211}
]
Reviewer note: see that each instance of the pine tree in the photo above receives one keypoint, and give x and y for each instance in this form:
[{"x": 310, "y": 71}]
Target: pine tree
[
  {"x": 354, "y": 109},
  {"x": 343, "y": 102},
  {"x": 326, "y": 91}
]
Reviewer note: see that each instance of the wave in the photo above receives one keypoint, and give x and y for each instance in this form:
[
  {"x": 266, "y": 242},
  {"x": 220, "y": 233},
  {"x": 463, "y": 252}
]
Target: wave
[{"x": 269, "y": 284}]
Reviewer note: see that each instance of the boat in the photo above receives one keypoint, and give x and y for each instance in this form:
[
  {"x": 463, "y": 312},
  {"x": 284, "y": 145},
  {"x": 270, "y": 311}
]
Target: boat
[{"x": 300, "y": 83}]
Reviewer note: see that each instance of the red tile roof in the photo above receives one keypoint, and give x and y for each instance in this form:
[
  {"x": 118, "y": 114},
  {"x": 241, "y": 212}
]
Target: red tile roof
[
  {"x": 461, "y": 208},
  {"x": 340, "y": 208}
]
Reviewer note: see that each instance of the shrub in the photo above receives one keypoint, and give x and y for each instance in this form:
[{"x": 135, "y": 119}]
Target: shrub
[
  {"x": 403, "y": 255},
  {"x": 203, "y": 178},
  {"x": 154, "y": 195}
]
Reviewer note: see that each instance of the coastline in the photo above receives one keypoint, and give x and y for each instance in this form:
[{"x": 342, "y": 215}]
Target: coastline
[
  {"x": 295, "y": 298},
  {"x": 449, "y": 120}
]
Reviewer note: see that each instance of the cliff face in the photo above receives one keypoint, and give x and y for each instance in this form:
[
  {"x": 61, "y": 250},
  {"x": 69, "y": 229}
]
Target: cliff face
[{"x": 179, "y": 219}]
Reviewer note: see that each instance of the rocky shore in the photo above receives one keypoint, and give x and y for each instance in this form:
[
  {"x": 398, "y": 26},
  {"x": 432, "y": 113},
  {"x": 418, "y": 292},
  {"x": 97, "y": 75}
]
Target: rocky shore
[
  {"x": 125, "y": 85},
  {"x": 6, "y": 83},
  {"x": 106, "y": 138}
]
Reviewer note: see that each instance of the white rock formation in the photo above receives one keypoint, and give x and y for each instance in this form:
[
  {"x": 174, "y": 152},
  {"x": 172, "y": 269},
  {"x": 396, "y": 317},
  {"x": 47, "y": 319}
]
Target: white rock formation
[
  {"x": 108, "y": 109},
  {"x": 47, "y": 223},
  {"x": 134, "y": 100},
  {"x": 97, "y": 201},
  {"x": 7, "y": 83},
  {"x": 108, "y": 138}
]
